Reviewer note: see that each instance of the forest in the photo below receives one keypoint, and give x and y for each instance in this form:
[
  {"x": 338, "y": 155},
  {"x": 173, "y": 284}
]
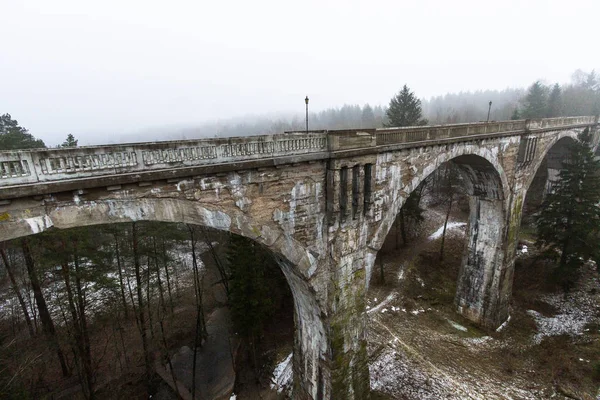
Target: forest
[{"x": 578, "y": 97}]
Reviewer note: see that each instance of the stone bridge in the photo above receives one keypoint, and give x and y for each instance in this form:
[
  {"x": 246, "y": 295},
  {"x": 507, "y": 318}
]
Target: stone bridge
[{"x": 321, "y": 201}]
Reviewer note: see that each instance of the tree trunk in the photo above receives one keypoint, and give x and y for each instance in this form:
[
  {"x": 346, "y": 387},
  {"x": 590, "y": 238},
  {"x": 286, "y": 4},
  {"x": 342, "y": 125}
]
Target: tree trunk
[
  {"x": 142, "y": 320},
  {"x": 164, "y": 258},
  {"x": 122, "y": 286},
  {"x": 79, "y": 348},
  {"x": 17, "y": 291},
  {"x": 219, "y": 264},
  {"x": 87, "y": 351},
  {"x": 403, "y": 227},
  {"x": 381, "y": 271},
  {"x": 445, "y": 225},
  {"x": 201, "y": 333},
  {"x": 161, "y": 296},
  {"x": 47, "y": 324},
  {"x": 148, "y": 302}
]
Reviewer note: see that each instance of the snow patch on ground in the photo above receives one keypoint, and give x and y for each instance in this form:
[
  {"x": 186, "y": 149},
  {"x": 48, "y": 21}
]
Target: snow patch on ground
[
  {"x": 451, "y": 225},
  {"x": 282, "y": 375},
  {"x": 457, "y": 326},
  {"x": 384, "y": 303},
  {"x": 479, "y": 340},
  {"x": 569, "y": 323},
  {"x": 504, "y": 325},
  {"x": 401, "y": 274}
]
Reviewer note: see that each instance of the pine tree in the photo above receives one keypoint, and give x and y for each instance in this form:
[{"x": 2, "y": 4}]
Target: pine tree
[
  {"x": 515, "y": 115},
  {"x": 570, "y": 218},
  {"x": 13, "y": 137},
  {"x": 554, "y": 102},
  {"x": 249, "y": 295},
  {"x": 70, "y": 141},
  {"x": 251, "y": 291},
  {"x": 535, "y": 103},
  {"x": 405, "y": 110},
  {"x": 367, "y": 117}
]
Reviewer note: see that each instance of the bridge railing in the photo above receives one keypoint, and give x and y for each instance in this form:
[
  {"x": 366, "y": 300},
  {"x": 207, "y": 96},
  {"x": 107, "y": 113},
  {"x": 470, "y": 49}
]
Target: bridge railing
[
  {"x": 437, "y": 132},
  {"x": 542, "y": 123},
  {"x": 47, "y": 165}
]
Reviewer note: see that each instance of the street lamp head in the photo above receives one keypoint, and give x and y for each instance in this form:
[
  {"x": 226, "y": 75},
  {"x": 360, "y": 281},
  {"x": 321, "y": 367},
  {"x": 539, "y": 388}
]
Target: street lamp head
[
  {"x": 490, "y": 103},
  {"x": 306, "y": 100}
]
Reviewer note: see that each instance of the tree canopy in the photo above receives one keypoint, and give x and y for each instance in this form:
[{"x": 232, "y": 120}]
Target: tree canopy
[
  {"x": 405, "y": 110},
  {"x": 70, "y": 141},
  {"x": 535, "y": 103},
  {"x": 14, "y": 137},
  {"x": 570, "y": 216}
]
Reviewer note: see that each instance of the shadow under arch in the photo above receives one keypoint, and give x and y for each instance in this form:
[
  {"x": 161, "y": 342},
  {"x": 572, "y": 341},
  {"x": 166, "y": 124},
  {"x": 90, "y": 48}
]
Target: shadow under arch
[
  {"x": 482, "y": 269},
  {"x": 550, "y": 157},
  {"x": 404, "y": 190},
  {"x": 296, "y": 262}
]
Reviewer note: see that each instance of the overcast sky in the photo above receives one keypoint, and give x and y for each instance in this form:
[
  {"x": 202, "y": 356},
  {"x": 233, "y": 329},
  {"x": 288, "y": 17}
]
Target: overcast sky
[{"x": 107, "y": 67}]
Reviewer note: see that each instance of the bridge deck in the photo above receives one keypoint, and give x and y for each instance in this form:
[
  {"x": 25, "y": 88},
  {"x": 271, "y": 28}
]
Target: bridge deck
[{"x": 39, "y": 170}]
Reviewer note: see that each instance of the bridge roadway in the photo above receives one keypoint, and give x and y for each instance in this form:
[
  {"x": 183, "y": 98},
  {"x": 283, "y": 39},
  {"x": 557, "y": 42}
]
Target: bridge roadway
[{"x": 321, "y": 201}]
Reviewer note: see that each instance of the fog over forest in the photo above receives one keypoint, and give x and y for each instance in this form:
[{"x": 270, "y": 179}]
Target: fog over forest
[{"x": 581, "y": 96}]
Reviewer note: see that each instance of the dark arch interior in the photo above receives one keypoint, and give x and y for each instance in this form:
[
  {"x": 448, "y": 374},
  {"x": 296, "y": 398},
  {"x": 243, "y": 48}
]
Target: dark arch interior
[
  {"x": 531, "y": 275},
  {"x": 105, "y": 272},
  {"x": 443, "y": 197},
  {"x": 542, "y": 181}
]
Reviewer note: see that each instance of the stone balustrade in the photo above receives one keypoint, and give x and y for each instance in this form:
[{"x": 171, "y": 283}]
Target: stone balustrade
[
  {"x": 438, "y": 132},
  {"x": 60, "y": 164}
]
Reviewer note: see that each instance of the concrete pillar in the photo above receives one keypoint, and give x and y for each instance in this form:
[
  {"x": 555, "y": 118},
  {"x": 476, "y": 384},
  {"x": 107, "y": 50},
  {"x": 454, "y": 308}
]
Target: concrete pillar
[
  {"x": 330, "y": 347},
  {"x": 483, "y": 275},
  {"x": 347, "y": 328},
  {"x": 311, "y": 355}
]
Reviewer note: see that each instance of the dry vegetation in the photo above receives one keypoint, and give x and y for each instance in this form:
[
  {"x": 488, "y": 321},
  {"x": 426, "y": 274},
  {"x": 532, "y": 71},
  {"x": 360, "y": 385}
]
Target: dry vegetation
[{"x": 421, "y": 349}]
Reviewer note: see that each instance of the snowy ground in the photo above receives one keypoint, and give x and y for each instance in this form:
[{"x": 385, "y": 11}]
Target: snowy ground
[{"x": 420, "y": 349}]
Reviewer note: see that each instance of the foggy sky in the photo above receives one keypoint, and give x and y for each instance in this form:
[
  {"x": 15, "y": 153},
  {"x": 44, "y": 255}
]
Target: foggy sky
[{"x": 102, "y": 69}]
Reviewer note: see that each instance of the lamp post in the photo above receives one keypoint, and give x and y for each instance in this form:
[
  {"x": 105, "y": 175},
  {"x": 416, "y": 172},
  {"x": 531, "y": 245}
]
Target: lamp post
[
  {"x": 306, "y": 101},
  {"x": 489, "y": 109}
]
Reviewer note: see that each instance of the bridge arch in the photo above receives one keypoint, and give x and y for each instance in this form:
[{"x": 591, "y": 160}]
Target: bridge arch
[
  {"x": 401, "y": 192},
  {"x": 483, "y": 257},
  {"x": 296, "y": 262},
  {"x": 559, "y": 142}
]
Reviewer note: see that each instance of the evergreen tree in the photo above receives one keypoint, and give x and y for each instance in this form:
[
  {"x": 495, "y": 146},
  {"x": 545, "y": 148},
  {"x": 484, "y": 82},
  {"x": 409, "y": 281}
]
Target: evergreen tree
[
  {"x": 405, "y": 110},
  {"x": 515, "y": 115},
  {"x": 254, "y": 291},
  {"x": 535, "y": 103},
  {"x": 250, "y": 299},
  {"x": 70, "y": 141},
  {"x": 554, "y": 102},
  {"x": 13, "y": 137},
  {"x": 569, "y": 220},
  {"x": 368, "y": 117}
]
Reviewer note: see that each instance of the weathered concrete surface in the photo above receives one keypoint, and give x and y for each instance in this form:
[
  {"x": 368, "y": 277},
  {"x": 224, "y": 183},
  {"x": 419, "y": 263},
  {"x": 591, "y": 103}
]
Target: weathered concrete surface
[{"x": 322, "y": 202}]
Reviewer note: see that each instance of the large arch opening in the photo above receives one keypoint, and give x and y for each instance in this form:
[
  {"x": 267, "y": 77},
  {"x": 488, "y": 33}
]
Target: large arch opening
[
  {"x": 531, "y": 274},
  {"x": 541, "y": 184},
  {"x": 464, "y": 194},
  {"x": 292, "y": 260},
  {"x": 432, "y": 296}
]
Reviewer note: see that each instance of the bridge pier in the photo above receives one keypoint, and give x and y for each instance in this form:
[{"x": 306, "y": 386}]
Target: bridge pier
[
  {"x": 480, "y": 281},
  {"x": 348, "y": 327}
]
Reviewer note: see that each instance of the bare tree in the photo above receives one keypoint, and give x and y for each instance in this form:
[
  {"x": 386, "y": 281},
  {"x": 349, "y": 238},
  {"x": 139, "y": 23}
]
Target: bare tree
[
  {"x": 47, "y": 324},
  {"x": 15, "y": 287}
]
